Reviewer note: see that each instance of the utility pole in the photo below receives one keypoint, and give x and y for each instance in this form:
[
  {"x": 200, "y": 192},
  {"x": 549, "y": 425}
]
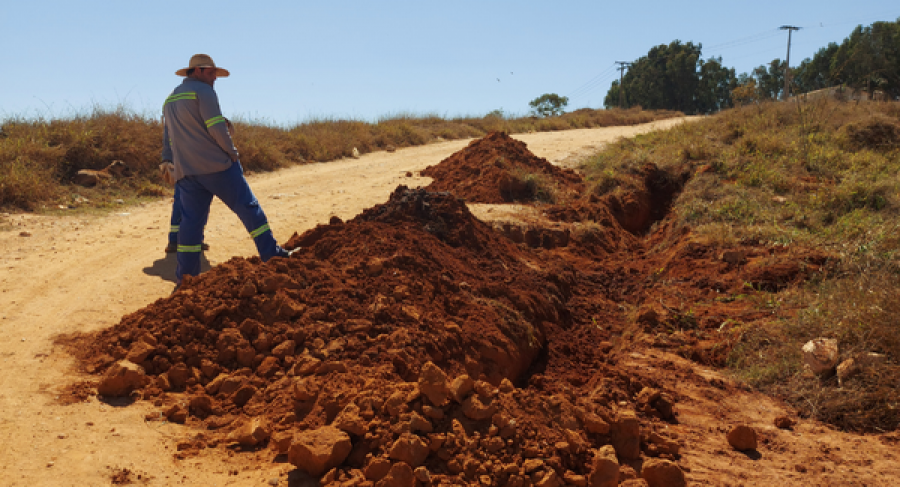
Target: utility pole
[
  {"x": 622, "y": 65},
  {"x": 787, "y": 62}
]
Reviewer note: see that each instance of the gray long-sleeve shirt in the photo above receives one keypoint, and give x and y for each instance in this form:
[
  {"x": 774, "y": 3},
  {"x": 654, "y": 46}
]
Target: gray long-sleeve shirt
[{"x": 195, "y": 135}]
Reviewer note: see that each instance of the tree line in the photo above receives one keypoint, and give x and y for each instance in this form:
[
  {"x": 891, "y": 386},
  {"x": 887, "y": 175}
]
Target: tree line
[{"x": 676, "y": 77}]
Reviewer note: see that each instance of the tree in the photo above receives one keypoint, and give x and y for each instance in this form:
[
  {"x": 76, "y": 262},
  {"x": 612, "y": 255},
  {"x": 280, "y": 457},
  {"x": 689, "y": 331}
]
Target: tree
[
  {"x": 549, "y": 104},
  {"x": 815, "y": 74},
  {"x": 770, "y": 81},
  {"x": 869, "y": 59},
  {"x": 715, "y": 86},
  {"x": 612, "y": 96},
  {"x": 745, "y": 92},
  {"x": 674, "y": 77}
]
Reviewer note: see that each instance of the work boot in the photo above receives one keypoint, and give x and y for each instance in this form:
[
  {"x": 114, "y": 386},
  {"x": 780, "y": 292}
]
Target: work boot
[{"x": 280, "y": 252}]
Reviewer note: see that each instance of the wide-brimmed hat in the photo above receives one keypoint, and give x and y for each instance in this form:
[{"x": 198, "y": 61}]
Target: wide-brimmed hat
[{"x": 203, "y": 61}]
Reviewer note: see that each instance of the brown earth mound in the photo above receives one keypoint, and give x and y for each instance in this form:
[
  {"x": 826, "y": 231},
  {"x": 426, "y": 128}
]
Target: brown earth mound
[
  {"x": 415, "y": 345},
  {"x": 362, "y": 325},
  {"x": 499, "y": 169}
]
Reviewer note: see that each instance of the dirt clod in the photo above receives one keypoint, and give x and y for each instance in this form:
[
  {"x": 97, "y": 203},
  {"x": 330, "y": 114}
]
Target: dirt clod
[{"x": 742, "y": 438}]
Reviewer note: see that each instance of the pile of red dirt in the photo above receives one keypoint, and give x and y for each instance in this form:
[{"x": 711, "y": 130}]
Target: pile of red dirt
[
  {"x": 499, "y": 169},
  {"x": 414, "y": 344},
  {"x": 412, "y": 317}
]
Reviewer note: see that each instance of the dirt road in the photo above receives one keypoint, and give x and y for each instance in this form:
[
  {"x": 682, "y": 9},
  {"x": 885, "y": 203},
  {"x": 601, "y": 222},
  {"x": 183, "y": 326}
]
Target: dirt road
[{"x": 65, "y": 274}]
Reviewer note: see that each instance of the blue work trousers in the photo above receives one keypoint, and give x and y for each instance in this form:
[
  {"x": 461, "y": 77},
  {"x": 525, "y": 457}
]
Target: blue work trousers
[
  {"x": 175, "y": 221},
  {"x": 196, "y": 193}
]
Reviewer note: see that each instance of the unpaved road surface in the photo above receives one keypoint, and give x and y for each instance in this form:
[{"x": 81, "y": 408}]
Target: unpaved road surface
[{"x": 60, "y": 275}]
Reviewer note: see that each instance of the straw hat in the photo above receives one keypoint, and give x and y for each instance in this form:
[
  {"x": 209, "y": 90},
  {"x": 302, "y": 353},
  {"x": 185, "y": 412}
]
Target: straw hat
[{"x": 203, "y": 61}]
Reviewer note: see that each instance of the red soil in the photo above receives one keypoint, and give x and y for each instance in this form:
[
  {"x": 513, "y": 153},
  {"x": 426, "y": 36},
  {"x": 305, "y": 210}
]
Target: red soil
[
  {"x": 342, "y": 333},
  {"x": 495, "y": 169}
]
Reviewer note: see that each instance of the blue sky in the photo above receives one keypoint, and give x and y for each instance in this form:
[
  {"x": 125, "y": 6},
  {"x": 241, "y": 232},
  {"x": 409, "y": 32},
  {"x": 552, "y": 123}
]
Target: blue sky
[{"x": 293, "y": 61}]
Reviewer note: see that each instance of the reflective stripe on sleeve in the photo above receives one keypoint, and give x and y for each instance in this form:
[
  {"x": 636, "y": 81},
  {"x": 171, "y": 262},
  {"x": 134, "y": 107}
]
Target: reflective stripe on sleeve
[
  {"x": 174, "y": 229},
  {"x": 190, "y": 95},
  {"x": 259, "y": 231},
  {"x": 214, "y": 120}
]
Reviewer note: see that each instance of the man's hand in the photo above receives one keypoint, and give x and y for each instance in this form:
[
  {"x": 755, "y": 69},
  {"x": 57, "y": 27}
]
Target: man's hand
[{"x": 167, "y": 172}]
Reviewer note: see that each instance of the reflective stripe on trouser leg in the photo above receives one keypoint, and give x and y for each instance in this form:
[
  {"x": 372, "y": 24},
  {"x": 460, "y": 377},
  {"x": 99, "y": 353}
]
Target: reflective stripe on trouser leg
[
  {"x": 265, "y": 242},
  {"x": 175, "y": 220},
  {"x": 231, "y": 187},
  {"x": 195, "y": 199}
]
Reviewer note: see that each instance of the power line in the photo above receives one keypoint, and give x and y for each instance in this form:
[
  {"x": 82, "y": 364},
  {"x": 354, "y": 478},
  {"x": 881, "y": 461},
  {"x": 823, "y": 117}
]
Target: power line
[
  {"x": 592, "y": 83},
  {"x": 745, "y": 40},
  {"x": 592, "y": 87}
]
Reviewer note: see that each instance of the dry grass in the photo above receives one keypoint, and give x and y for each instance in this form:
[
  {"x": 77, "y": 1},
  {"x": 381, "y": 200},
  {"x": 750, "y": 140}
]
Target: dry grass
[
  {"x": 39, "y": 157},
  {"x": 822, "y": 175}
]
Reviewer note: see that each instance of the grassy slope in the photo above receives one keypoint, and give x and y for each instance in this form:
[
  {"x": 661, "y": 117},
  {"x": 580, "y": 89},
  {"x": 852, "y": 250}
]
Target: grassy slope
[{"x": 818, "y": 174}]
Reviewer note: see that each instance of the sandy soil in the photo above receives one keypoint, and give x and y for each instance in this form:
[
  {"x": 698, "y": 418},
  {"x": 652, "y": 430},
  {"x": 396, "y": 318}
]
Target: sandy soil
[{"x": 66, "y": 274}]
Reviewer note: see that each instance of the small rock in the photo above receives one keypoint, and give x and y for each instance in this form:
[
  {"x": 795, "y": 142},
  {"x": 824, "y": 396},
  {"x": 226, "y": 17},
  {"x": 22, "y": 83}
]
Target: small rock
[
  {"x": 400, "y": 475},
  {"x": 122, "y": 378},
  {"x": 662, "y": 473},
  {"x": 626, "y": 436},
  {"x": 742, "y": 438},
  {"x": 571, "y": 478},
  {"x": 319, "y": 450},
  {"x": 250, "y": 432},
  {"x": 821, "y": 355},
  {"x": 478, "y": 407},
  {"x": 461, "y": 387},
  {"x": 377, "y": 469},
  {"x": 423, "y": 475},
  {"x": 350, "y": 421},
  {"x": 409, "y": 449},
  {"x": 784, "y": 422},
  {"x": 305, "y": 388},
  {"x": 281, "y": 441},
  {"x": 733, "y": 257},
  {"x": 139, "y": 352},
  {"x": 604, "y": 468},
  {"x": 595, "y": 424},
  {"x": 433, "y": 383},
  {"x": 419, "y": 424},
  {"x": 176, "y": 413},
  {"x": 374, "y": 267}
]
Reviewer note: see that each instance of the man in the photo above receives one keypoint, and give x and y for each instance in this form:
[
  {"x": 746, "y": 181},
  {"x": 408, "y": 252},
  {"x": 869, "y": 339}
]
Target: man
[{"x": 197, "y": 142}]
